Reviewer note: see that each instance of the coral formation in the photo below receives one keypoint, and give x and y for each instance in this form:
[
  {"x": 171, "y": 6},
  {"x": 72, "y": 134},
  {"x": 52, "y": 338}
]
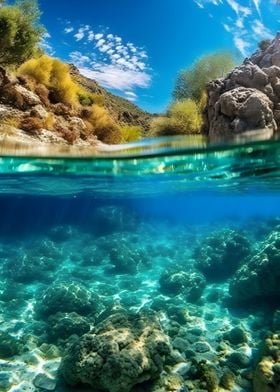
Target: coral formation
[
  {"x": 258, "y": 279},
  {"x": 67, "y": 297},
  {"x": 123, "y": 351},
  {"x": 189, "y": 284},
  {"x": 221, "y": 253}
]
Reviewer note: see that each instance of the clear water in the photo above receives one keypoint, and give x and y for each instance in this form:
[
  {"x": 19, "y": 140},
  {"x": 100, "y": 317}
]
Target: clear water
[{"x": 167, "y": 231}]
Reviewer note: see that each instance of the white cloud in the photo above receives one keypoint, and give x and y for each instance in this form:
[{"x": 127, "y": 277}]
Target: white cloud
[
  {"x": 90, "y": 36},
  {"x": 130, "y": 94},
  {"x": 241, "y": 45},
  {"x": 68, "y": 30},
  {"x": 226, "y": 27},
  {"x": 260, "y": 30},
  {"x": 79, "y": 59},
  {"x": 257, "y": 5},
  {"x": 243, "y": 22},
  {"x": 239, "y": 9},
  {"x": 109, "y": 60},
  {"x": 98, "y": 36},
  {"x": 100, "y": 43},
  {"x": 116, "y": 78},
  {"x": 79, "y": 35}
]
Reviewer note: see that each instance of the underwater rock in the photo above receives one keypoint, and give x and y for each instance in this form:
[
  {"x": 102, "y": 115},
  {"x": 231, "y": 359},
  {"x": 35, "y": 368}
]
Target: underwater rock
[
  {"x": 276, "y": 321},
  {"x": 63, "y": 325},
  {"x": 207, "y": 376},
  {"x": 108, "y": 219},
  {"x": 9, "y": 345},
  {"x": 258, "y": 280},
  {"x": 44, "y": 383},
  {"x": 236, "y": 335},
  {"x": 124, "y": 350},
  {"x": 6, "y": 381},
  {"x": 67, "y": 298},
  {"x": 221, "y": 253},
  {"x": 126, "y": 255},
  {"x": 168, "y": 383},
  {"x": 267, "y": 373},
  {"x": 189, "y": 284},
  {"x": 33, "y": 265}
]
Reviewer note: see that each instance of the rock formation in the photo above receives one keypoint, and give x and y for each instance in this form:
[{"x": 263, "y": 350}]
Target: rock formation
[{"x": 249, "y": 97}]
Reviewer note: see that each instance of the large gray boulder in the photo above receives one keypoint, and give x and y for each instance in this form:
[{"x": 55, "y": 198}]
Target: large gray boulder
[{"x": 248, "y": 98}]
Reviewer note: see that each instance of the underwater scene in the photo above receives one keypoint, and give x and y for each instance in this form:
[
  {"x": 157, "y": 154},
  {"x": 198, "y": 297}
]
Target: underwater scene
[{"x": 164, "y": 278}]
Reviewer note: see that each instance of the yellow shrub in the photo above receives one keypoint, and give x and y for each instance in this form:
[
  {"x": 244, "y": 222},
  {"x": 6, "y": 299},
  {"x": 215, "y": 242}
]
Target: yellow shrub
[
  {"x": 11, "y": 122},
  {"x": 183, "y": 118},
  {"x": 87, "y": 99},
  {"x": 65, "y": 90},
  {"x": 103, "y": 126},
  {"x": 187, "y": 115},
  {"x": 131, "y": 133},
  {"x": 55, "y": 75},
  {"x": 164, "y": 126},
  {"x": 38, "y": 69},
  {"x": 49, "y": 121}
]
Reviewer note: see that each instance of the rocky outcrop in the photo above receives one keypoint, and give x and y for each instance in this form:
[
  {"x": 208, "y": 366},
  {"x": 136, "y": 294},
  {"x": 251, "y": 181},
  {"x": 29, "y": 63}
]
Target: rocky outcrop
[{"x": 248, "y": 98}]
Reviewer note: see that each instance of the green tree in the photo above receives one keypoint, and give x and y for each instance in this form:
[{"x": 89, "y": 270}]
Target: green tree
[
  {"x": 20, "y": 32},
  {"x": 191, "y": 82}
]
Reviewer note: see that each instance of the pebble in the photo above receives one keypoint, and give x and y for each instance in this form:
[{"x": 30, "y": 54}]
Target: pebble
[
  {"x": 182, "y": 368},
  {"x": 236, "y": 336},
  {"x": 201, "y": 347},
  {"x": 180, "y": 344},
  {"x": 44, "y": 382},
  {"x": 5, "y": 381}
]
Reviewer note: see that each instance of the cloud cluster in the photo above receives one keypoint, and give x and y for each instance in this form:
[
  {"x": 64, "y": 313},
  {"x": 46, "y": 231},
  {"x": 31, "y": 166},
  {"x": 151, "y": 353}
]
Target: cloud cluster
[
  {"x": 244, "y": 21},
  {"x": 109, "y": 60}
]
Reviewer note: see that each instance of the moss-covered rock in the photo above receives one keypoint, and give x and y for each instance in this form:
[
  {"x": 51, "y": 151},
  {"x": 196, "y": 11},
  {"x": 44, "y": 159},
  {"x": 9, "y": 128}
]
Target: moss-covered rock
[
  {"x": 9, "y": 345},
  {"x": 258, "y": 280},
  {"x": 221, "y": 253},
  {"x": 67, "y": 298},
  {"x": 63, "y": 325},
  {"x": 267, "y": 373},
  {"x": 124, "y": 350},
  {"x": 189, "y": 284}
]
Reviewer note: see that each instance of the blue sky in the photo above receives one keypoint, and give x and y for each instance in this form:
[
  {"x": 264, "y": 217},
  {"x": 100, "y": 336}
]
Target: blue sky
[{"x": 136, "y": 48}]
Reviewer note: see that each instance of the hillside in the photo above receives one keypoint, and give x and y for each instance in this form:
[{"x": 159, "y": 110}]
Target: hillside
[
  {"x": 32, "y": 110},
  {"x": 122, "y": 110}
]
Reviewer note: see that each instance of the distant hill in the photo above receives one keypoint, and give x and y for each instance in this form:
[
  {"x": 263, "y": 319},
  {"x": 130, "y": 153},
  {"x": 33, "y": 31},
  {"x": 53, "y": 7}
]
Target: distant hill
[{"x": 122, "y": 110}]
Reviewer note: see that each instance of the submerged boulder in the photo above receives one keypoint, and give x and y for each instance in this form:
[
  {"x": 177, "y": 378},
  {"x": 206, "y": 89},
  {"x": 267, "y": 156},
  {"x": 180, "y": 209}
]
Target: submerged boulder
[
  {"x": 189, "y": 284},
  {"x": 220, "y": 254},
  {"x": 124, "y": 350},
  {"x": 67, "y": 298},
  {"x": 258, "y": 280}
]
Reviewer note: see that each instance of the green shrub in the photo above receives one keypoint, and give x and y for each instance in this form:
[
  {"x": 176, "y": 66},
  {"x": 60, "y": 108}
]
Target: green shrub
[
  {"x": 131, "y": 133},
  {"x": 20, "y": 33},
  {"x": 104, "y": 126},
  {"x": 191, "y": 82},
  {"x": 183, "y": 118}
]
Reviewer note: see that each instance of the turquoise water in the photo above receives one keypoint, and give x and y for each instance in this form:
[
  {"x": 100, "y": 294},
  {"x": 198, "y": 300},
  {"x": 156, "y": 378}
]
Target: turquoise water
[{"x": 151, "y": 268}]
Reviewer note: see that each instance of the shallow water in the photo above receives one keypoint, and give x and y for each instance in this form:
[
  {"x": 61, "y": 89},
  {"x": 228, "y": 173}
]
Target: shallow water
[{"x": 185, "y": 239}]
